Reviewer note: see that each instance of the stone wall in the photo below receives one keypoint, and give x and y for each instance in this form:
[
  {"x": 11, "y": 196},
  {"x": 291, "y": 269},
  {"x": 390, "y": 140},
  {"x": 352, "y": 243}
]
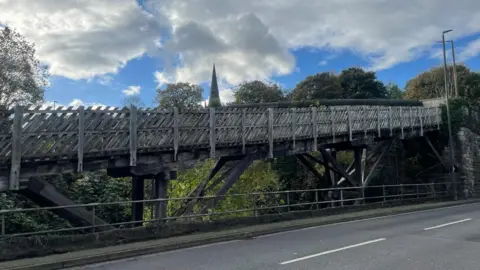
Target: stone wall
[{"x": 467, "y": 146}]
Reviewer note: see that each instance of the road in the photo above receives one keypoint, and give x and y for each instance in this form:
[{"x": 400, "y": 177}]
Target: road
[{"x": 447, "y": 238}]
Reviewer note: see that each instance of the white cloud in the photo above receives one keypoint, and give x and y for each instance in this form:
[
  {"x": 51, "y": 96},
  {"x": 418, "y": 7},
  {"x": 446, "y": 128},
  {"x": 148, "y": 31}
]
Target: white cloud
[
  {"x": 252, "y": 39},
  {"x": 132, "y": 90},
  {"x": 163, "y": 78},
  {"x": 323, "y": 63},
  {"x": 85, "y": 38},
  {"x": 76, "y": 103},
  {"x": 471, "y": 50}
]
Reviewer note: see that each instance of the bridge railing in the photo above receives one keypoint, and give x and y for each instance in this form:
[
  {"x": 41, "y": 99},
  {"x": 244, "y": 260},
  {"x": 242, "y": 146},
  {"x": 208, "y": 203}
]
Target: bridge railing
[
  {"x": 249, "y": 205},
  {"x": 36, "y": 134}
]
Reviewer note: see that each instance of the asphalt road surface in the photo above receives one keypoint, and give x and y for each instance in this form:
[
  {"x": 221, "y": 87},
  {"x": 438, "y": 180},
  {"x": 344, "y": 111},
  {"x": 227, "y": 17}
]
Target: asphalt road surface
[{"x": 447, "y": 238}]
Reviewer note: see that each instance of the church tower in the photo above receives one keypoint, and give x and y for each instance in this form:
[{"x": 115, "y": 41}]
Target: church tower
[{"x": 214, "y": 99}]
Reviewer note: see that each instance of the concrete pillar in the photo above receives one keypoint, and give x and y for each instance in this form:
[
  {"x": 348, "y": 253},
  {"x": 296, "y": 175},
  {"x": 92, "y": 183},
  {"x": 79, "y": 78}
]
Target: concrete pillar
[
  {"x": 161, "y": 188},
  {"x": 138, "y": 193}
]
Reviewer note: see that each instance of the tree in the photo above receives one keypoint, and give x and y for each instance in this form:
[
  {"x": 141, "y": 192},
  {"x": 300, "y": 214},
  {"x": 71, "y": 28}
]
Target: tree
[
  {"x": 357, "y": 83},
  {"x": 257, "y": 92},
  {"x": 431, "y": 84},
  {"x": 319, "y": 86},
  {"x": 394, "y": 92},
  {"x": 133, "y": 100},
  {"x": 180, "y": 95},
  {"x": 22, "y": 77}
]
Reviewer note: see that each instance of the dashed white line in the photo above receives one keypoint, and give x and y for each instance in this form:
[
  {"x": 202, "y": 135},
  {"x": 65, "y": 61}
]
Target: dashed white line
[
  {"x": 447, "y": 224},
  {"x": 333, "y": 251}
]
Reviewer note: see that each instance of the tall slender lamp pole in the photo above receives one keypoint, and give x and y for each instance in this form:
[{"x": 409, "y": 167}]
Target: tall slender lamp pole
[{"x": 450, "y": 136}]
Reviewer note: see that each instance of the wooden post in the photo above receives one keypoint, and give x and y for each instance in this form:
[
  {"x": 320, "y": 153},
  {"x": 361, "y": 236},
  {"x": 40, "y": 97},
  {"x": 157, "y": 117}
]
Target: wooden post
[
  {"x": 401, "y": 122},
  {"x": 270, "y": 132},
  {"x": 244, "y": 131},
  {"x": 411, "y": 118},
  {"x": 81, "y": 138},
  {"x": 294, "y": 126},
  {"x": 133, "y": 136},
  {"x": 379, "y": 129},
  {"x": 314, "y": 129},
  {"x": 14, "y": 183},
  {"x": 138, "y": 194},
  {"x": 349, "y": 116},
  {"x": 365, "y": 121},
  {"x": 421, "y": 120},
  {"x": 213, "y": 136},
  {"x": 332, "y": 122},
  {"x": 176, "y": 133},
  {"x": 390, "y": 120},
  {"x": 161, "y": 192}
]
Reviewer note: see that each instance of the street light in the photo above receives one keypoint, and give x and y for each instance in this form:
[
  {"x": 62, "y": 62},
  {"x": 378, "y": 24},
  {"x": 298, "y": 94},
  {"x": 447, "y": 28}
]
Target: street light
[
  {"x": 450, "y": 137},
  {"x": 455, "y": 81}
]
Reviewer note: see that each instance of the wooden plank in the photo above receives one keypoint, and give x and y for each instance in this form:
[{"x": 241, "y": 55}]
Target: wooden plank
[
  {"x": 314, "y": 129},
  {"x": 14, "y": 183},
  {"x": 81, "y": 138},
  {"x": 421, "y": 119},
  {"x": 402, "y": 123},
  {"x": 294, "y": 126},
  {"x": 349, "y": 116},
  {"x": 390, "y": 120},
  {"x": 244, "y": 131},
  {"x": 213, "y": 137},
  {"x": 379, "y": 130},
  {"x": 133, "y": 136},
  {"x": 332, "y": 122},
  {"x": 270, "y": 132},
  {"x": 176, "y": 133}
]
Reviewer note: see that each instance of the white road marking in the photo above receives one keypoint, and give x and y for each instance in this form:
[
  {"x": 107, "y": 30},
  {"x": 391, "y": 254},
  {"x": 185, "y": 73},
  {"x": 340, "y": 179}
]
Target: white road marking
[
  {"x": 362, "y": 220},
  {"x": 333, "y": 251},
  {"x": 447, "y": 224}
]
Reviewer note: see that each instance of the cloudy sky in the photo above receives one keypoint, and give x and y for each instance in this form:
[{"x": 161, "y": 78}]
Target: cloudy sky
[{"x": 100, "y": 51}]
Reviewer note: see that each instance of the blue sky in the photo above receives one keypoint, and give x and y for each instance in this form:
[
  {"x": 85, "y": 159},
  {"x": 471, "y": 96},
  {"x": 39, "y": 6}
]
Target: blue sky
[
  {"x": 101, "y": 51},
  {"x": 141, "y": 72}
]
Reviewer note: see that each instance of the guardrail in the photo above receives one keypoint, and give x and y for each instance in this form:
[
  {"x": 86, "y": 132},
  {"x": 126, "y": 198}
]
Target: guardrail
[{"x": 258, "y": 203}]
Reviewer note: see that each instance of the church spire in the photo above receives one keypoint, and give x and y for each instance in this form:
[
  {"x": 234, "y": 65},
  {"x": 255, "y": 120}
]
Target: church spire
[{"x": 214, "y": 99}]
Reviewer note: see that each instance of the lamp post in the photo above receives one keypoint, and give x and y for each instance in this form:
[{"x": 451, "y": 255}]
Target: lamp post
[
  {"x": 454, "y": 69},
  {"x": 450, "y": 136}
]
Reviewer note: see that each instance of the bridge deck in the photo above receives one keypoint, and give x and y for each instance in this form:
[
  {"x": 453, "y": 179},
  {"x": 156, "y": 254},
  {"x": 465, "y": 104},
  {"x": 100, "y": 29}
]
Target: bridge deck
[{"x": 37, "y": 141}]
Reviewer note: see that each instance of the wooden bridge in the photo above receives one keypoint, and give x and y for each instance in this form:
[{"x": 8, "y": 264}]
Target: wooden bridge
[{"x": 131, "y": 141}]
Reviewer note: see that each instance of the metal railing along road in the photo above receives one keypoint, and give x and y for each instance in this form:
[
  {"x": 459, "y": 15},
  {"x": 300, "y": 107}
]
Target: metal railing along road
[{"x": 252, "y": 204}]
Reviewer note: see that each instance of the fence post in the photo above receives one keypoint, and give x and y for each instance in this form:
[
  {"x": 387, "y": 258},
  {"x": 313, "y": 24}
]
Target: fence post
[
  {"x": 433, "y": 191},
  {"x": 316, "y": 198},
  {"x": 363, "y": 195},
  {"x": 93, "y": 219},
  {"x": 133, "y": 136},
  {"x": 213, "y": 136},
  {"x": 384, "y": 192},
  {"x": 255, "y": 213},
  {"x": 401, "y": 192},
  {"x": 341, "y": 197},
  {"x": 16, "y": 152},
  {"x": 418, "y": 192}
]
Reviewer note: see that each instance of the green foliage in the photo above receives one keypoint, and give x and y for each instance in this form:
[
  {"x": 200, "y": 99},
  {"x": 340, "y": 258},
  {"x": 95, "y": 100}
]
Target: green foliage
[
  {"x": 394, "y": 92},
  {"x": 359, "y": 84},
  {"x": 22, "y": 77},
  {"x": 180, "y": 95},
  {"x": 431, "y": 84},
  {"x": 319, "y": 86},
  {"x": 257, "y": 92}
]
